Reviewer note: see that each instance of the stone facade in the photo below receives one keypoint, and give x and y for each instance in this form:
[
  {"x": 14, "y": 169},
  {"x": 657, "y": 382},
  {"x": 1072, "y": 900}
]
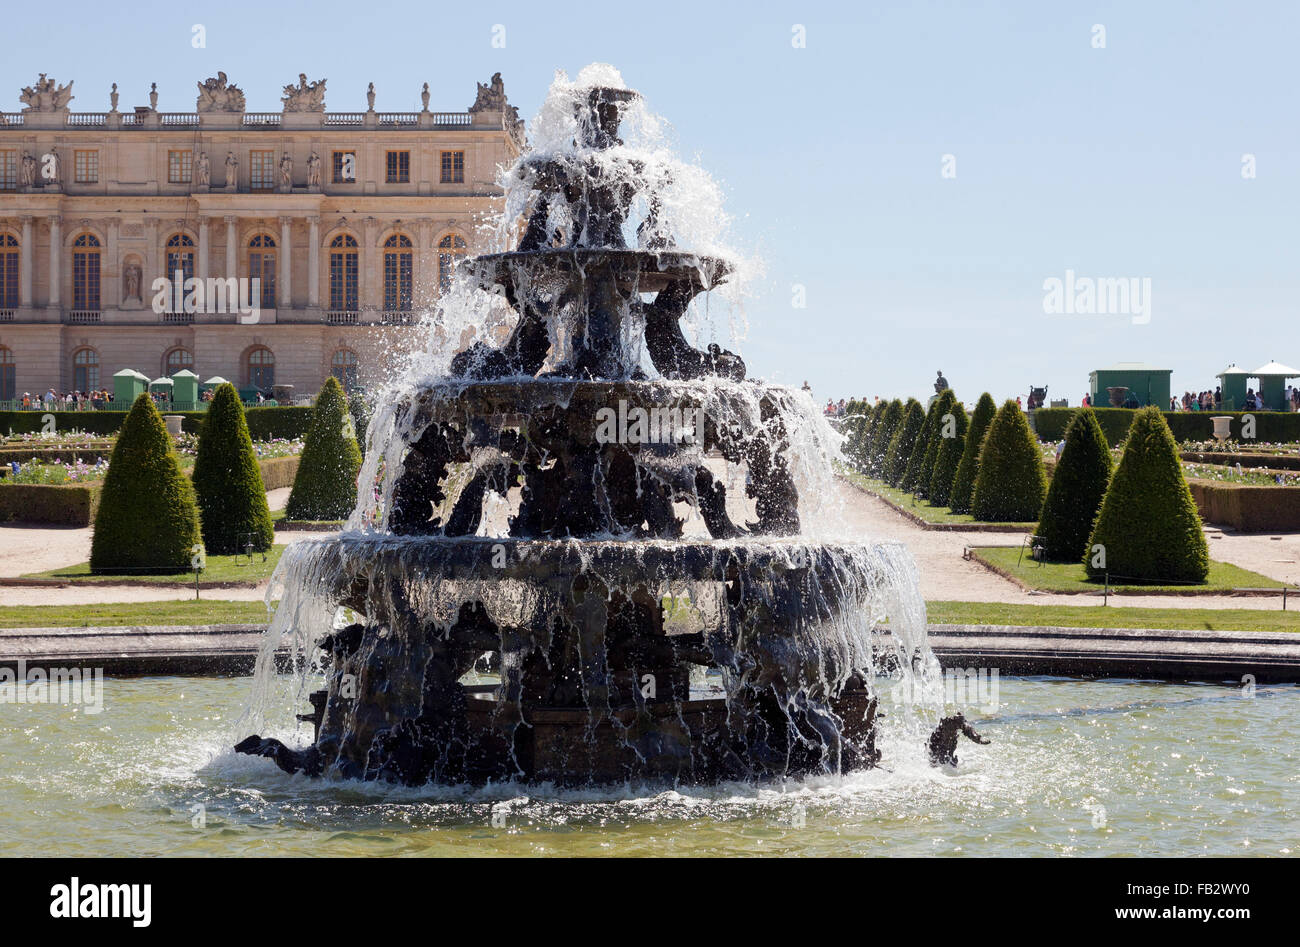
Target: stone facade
[{"x": 352, "y": 220}]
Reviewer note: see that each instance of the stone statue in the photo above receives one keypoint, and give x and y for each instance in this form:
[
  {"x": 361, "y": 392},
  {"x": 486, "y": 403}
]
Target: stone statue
[
  {"x": 202, "y": 170},
  {"x": 52, "y": 168},
  {"x": 492, "y": 97},
  {"x": 232, "y": 169},
  {"x": 112, "y": 97},
  {"x": 131, "y": 277},
  {"x": 286, "y": 172},
  {"x": 27, "y": 173},
  {"x": 306, "y": 96},
  {"x": 370, "y": 97},
  {"x": 940, "y": 384},
  {"x": 153, "y": 96},
  {"x": 217, "y": 95},
  {"x": 47, "y": 96},
  {"x": 313, "y": 171},
  {"x": 424, "y": 96},
  {"x": 943, "y": 742}
]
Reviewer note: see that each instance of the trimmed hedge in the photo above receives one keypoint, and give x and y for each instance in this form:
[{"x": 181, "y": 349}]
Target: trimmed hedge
[
  {"x": 916, "y": 461},
  {"x": 943, "y": 406},
  {"x": 882, "y": 433},
  {"x": 278, "y": 472},
  {"x": 1148, "y": 524},
  {"x": 1078, "y": 486},
  {"x": 71, "y": 505},
  {"x": 1270, "y": 426},
  {"x": 263, "y": 423},
  {"x": 1247, "y": 507},
  {"x": 903, "y": 442},
  {"x": 232, "y": 498},
  {"x": 949, "y": 456},
  {"x": 147, "y": 518},
  {"x": 963, "y": 481},
  {"x": 326, "y": 485},
  {"x": 1011, "y": 484}
]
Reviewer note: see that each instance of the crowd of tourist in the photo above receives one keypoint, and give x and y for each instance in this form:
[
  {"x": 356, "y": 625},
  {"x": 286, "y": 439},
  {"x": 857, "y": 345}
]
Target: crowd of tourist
[{"x": 65, "y": 401}]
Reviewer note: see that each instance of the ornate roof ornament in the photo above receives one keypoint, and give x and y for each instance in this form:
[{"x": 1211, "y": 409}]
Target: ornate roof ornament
[
  {"x": 218, "y": 95},
  {"x": 47, "y": 96},
  {"x": 305, "y": 96}
]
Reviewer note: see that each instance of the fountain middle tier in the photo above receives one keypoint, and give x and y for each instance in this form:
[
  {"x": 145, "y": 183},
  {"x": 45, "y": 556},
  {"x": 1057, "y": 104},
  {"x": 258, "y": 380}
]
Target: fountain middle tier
[{"x": 594, "y": 643}]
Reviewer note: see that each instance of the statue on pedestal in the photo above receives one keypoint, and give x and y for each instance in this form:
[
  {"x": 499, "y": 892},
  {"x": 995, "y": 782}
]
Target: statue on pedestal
[
  {"x": 232, "y": 171},
  {"x": 286, "y": 172},
  {"x": 370, "y": 97},
  {"x": 424, "y": 97},
  {"x": 202, "y": 170},
  {"x": 305, "y": 96},
  {"x": 940, "y": 384},
  {"x": 313, "y": 172}
]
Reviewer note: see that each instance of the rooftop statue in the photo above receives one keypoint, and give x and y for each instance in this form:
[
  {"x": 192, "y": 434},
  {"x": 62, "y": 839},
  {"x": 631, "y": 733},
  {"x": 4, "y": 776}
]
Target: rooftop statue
[
  {"x": 47, "y": 96},
  {"x": 305, "y": 96},
  {"x": 215, "y": 95}
]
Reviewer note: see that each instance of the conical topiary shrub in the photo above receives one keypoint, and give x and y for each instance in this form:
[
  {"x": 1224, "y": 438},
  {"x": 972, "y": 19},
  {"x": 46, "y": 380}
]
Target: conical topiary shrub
[
  {"x": 881, "y": 435},
  {"x": 912, "y": 475},
  {"x": 147, "y": 520},
  {"x": 232, "y": 498},
  {"x": 950, "y": 451},
  {"x": 1011, "y": 483},
  {"x": 856, "y": 429},
  {"x": 1148, "y": 526},
  {"x": 1077, "y": 488},
  {"x": 325, "y": 487},
  {"x": 943, "y": 423},
  {"x": 903, "y": 442},
  {"x": 963, "y": 481}
]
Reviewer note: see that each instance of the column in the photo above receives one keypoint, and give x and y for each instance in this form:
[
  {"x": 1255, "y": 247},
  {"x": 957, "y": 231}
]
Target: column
[
  {"x": 56, "y": 257},
  {"x": 284, "y": 265},
  {"x": 201, "y": 265},
  {"x": 232, "y": 250},
  {"x": 313, "y": 262},
  {"x": 25, "y": 264}
]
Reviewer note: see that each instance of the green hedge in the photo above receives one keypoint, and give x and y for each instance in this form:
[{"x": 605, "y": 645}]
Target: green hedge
[
  {"x": 263, "y": 423},
  {"x": 1247, "y": 507},
  {"x": 1270, "y": 426},
  {"x": 72, "y": 505}
]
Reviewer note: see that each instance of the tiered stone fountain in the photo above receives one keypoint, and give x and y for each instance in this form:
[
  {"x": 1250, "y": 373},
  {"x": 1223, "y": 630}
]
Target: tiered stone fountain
[{"x": 638, "y": 620}]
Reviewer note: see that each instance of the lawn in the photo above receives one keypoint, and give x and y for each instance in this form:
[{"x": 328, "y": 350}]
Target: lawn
[
  {"x": 220, "y": 569},
  {"x": 901, "y": 499},
  {"x": 186, "y": 612},
  {"x": 1091, "y": 616},
  {"x": 1070, "y": 576}
]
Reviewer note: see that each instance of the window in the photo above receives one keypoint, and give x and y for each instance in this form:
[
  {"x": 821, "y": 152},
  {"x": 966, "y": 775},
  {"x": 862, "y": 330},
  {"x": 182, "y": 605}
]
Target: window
[
  {"x": 261, "y": 368},
  {"x": 345, "y": 167},
  {"x": 399, "y": 167},
  {"x": 453, "y": 167},
  {"x": 180, "y": 257},
  {"x": 7, "y": 369},
  {"x": 85, "y": 278},
  {"x": 343, "y": 273},
  {"x": 8, "y": 271},
  {"x": 261, "y": 170},
  {"x": 176, "y": 360},
  {"x": 450, "y": 249},
  {"x": 8, "y": 169},
  {"x": 343, "y": 366},
  {"x": 85, "y": 370},
  {"x": 85, "y": 165},
  {"x": 180, "y": 167},
  {"x": 398, "y": 259},
  {"x": 261, "y": 266}
]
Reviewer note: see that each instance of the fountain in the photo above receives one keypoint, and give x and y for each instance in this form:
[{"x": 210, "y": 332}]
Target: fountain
[{"x": 587, "y": 558}]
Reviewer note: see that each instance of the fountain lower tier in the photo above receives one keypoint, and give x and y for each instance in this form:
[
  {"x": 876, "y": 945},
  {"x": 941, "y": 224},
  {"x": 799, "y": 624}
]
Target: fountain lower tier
[{"x": 616, "y": 660}]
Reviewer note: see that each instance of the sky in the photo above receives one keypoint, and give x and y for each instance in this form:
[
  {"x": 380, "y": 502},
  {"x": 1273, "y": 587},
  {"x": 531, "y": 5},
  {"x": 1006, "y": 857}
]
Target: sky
[{"x": 913, "y": 173}]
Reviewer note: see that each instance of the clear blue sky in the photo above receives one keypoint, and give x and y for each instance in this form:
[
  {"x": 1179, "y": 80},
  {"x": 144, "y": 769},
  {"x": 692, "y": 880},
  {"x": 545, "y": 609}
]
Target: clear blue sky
[{"x": 1116, "y": 162}]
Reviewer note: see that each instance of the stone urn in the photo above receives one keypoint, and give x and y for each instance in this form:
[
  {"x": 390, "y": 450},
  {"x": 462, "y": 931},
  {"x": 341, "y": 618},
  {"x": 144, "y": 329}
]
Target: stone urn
[
  {"x": 1117, "y": 395},
  {"x": 1222, "y": 428},
  {"x": 173, "y": 424}
]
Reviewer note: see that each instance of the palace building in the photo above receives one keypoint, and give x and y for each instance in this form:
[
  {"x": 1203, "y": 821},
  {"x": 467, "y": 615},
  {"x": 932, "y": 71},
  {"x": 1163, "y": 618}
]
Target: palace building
[{"x": 350, "y": 222}]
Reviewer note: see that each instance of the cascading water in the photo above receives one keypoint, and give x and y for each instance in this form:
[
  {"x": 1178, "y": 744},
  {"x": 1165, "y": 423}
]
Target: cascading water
[{"x": 632, "y": 537}]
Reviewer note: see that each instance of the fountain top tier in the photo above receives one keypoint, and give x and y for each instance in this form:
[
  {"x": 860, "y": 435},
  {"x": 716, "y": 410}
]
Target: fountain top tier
[{"x": 577, "y": 286}]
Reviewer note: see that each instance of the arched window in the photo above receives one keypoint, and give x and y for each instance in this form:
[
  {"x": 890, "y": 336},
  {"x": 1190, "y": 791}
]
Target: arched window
[
  {"x": 399, "y": 257},
  {"x": 85, "y": 274},
  {"x": 261, "y": 368},
  {"x": 8, "y": 388},
  {"x": 343, "y": 366},
  {"x": 261, "y": 266},
  {"x": 85, "y": 370},
  {"x": 8, "y": 271},
  {"x": 450, "y": 249},
  {"x": 176, "y": 360},
  {"x": 180, "y": 267},
  {"x": 343, "y": 274}
]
